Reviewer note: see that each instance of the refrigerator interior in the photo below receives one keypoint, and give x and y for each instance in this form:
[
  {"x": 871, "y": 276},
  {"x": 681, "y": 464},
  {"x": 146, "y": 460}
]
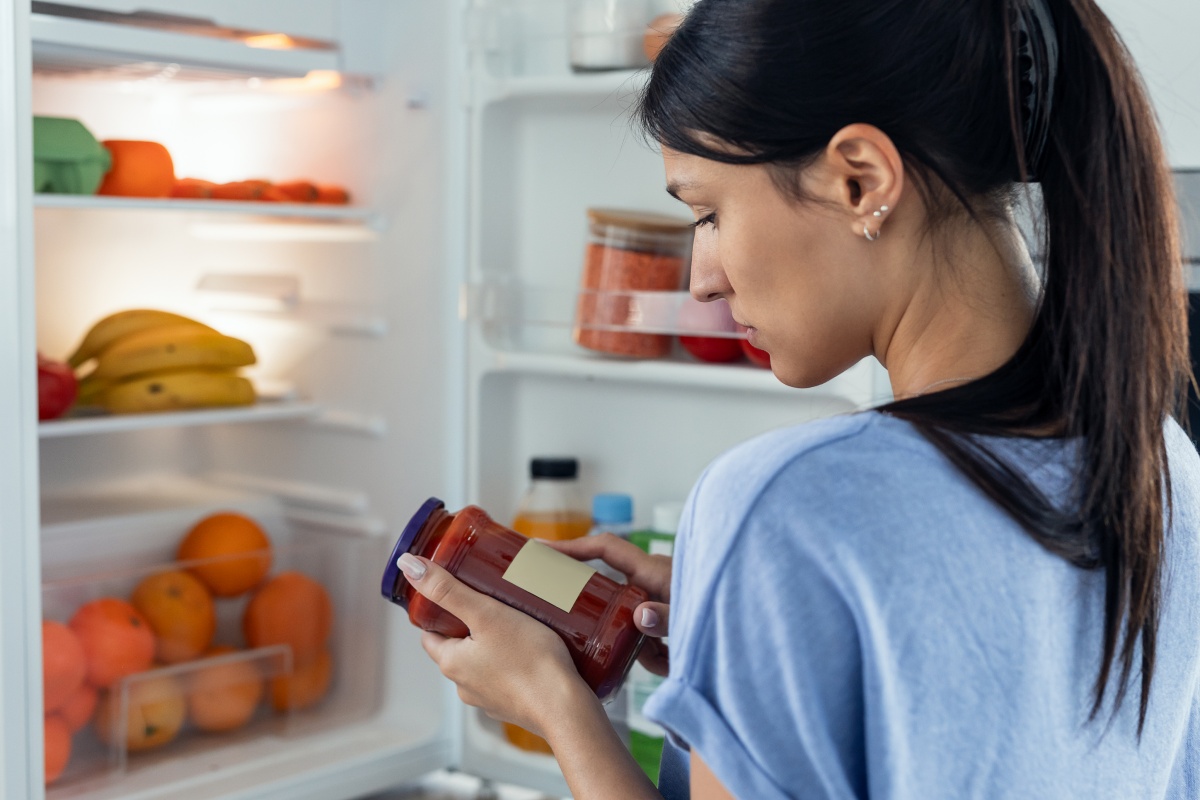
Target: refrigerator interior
[{"x": 416, "y": 343}]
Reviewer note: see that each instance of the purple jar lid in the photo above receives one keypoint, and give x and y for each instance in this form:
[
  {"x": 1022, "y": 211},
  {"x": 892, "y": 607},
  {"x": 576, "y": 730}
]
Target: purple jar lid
[{"x": 392, "y": 576}]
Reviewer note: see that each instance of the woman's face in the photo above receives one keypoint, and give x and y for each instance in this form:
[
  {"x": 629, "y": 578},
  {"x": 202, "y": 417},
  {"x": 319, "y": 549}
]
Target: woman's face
[{"x": 791, "y": 271}]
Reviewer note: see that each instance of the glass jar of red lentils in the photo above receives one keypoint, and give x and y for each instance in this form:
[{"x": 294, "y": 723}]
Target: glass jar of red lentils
[
  {"x": 628, "y": 252},
  {"x": 591, "y": 612}
]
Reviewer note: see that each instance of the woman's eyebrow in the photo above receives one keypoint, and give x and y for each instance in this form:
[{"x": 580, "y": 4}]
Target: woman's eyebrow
[{"x": 675, "y": 187}]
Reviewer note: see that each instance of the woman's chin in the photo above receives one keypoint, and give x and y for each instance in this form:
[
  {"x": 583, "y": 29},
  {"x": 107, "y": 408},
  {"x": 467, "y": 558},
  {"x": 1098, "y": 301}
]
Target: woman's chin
[{"x": 800, "y": 377}]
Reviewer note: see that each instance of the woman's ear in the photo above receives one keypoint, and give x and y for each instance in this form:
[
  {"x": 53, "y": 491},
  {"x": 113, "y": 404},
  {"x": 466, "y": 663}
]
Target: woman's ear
[{"x": 866, "y": 177}]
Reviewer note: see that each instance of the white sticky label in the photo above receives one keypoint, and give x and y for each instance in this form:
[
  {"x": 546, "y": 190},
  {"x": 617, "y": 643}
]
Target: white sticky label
[{"x": 546, "y": 573}]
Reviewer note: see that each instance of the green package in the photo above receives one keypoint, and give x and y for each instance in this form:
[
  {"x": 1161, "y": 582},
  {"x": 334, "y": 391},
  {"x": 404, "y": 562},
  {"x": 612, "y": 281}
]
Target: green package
[{"x": 67, "y": 159}]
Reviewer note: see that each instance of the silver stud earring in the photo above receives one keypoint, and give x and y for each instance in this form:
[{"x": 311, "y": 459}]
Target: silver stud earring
[{"x": 867, "y": 231}]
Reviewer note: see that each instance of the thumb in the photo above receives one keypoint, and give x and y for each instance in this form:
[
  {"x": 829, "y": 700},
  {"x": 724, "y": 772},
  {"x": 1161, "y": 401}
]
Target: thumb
[
  {"x": 651, "y": 618},
  {"x": 443, "y": 589}
]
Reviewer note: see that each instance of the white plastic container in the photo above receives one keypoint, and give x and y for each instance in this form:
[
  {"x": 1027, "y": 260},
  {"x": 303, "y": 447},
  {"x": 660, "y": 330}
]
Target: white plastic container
[{"x": 607, "y": 34}]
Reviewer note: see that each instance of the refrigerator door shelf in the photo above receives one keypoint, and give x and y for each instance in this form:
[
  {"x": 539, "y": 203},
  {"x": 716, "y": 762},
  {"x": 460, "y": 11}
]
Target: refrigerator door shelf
[
  {"x": 72, "y": 47},
  {"x": 855, "y": 389},
  {"x": 590, "y": 86},
  {"x": 504, "y": 304}
]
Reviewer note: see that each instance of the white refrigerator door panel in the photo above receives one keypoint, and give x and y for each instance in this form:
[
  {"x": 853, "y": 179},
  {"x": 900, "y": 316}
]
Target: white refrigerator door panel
[
  {"x": 1161, "y": 35},
  {"x": 20, "y": 667}
]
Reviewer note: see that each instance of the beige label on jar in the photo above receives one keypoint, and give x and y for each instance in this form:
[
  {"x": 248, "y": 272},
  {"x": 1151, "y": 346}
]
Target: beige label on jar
[{"x": 546, "y": 573}]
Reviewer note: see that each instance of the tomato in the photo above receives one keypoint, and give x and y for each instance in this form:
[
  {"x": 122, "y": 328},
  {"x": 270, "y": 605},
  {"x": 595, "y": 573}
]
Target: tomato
[
  {"x": 759, "y": 358},
  {"x": 56, "y": 388},
  {"x": 713, "y": 349},
  {"x": 696, "y": 317}
]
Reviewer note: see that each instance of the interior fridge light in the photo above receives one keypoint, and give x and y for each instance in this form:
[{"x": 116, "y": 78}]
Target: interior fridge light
[{"x": 271, "y": 41}]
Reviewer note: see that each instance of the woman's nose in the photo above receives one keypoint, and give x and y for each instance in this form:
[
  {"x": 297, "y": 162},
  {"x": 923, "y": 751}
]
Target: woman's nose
[{"x": 708, "y": 278}]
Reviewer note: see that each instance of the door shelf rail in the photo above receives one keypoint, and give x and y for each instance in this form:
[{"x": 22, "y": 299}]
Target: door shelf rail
[
  {"x": 260, "y": 412},
  {"x": 856, "y": 386}
]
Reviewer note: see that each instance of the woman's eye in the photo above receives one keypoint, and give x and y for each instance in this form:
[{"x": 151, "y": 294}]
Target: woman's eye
[{"x": 710, "y": 219}]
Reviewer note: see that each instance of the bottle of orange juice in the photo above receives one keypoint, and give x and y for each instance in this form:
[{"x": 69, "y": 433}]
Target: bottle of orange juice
[{"x": 551, "y": 508}]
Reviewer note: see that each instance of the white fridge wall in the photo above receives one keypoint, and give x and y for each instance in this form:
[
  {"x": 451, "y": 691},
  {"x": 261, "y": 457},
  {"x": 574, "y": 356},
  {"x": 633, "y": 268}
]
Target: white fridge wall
[{"x": 389, "y": 147}]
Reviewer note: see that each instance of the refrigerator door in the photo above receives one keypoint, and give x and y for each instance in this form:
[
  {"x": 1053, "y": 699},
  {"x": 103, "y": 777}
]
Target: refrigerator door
[{"x": 545, "y": 144}]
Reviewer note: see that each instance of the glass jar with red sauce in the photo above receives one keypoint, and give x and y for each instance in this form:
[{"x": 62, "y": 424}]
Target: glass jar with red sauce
[{"x": 591, "y": 612}]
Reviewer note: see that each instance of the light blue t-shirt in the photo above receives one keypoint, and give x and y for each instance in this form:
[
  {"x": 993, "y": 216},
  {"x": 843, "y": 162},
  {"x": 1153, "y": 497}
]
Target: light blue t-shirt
[{"x": 852, "y": 618}]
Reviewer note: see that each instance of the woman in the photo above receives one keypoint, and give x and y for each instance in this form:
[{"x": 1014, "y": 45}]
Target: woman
[{"x": 987, "y": 588}]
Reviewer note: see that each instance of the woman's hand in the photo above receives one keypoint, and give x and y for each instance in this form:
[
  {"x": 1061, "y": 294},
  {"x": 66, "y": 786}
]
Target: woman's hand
[
  {"x": 512, "y": 667},
  {"x": 649, "y": 573}
]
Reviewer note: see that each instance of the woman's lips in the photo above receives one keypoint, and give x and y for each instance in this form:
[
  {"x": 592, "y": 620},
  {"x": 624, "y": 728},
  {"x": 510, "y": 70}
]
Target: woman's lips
[{"x": 750, "y": 331}]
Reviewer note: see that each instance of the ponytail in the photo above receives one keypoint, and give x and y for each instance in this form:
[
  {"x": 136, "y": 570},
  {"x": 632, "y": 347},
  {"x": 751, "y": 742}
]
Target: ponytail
[
  {"x": 1105, "y": 362},
  {"x": 1113, "y": 322}
]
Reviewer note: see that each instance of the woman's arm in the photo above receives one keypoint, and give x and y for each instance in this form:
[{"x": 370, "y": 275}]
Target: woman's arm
[{"x": 518, "y": 670}]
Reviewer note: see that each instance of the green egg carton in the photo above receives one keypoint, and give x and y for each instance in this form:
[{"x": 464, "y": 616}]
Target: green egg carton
[{"x": 67, "y": 159}]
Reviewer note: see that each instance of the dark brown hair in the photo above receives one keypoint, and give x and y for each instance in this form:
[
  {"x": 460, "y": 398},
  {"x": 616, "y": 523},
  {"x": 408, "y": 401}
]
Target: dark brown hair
[{"x": 1106, "y": 359}]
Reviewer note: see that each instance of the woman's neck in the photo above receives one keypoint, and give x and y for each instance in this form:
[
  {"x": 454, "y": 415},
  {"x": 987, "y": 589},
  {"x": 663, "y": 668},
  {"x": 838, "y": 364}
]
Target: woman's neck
[{"x": 970, "y": 305}]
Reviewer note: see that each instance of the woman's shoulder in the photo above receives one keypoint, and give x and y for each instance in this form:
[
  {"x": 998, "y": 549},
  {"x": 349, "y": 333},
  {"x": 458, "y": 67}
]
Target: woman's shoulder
[
  {"x": 826, "y": 451},
  {"x": 806, "y": 478}
]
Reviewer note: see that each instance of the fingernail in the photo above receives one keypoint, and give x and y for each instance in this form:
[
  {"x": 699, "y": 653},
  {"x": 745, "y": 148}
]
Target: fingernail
[
  {"x": 412, "y": 567},
  {"x": 649, "y": 618}
]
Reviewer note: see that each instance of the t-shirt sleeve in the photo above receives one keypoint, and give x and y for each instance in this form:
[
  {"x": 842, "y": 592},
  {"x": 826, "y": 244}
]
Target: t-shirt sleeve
[{"x": 766, "y": 671}]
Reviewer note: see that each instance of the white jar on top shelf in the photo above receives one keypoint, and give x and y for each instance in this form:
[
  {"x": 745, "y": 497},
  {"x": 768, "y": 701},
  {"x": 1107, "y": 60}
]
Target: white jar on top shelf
[{"x": 607, "y": 34}]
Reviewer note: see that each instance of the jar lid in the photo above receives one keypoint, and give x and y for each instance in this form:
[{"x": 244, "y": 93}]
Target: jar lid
[
  {"x": 559, "y": 468},
  {"x": 667, "y": 516},
  {"x": 643, "y": 221},
  {"x": 612, "y": 508},
  {"x": 391, "y": 572}
]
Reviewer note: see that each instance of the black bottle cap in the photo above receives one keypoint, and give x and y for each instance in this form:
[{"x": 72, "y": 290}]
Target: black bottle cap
[{"x": 560, "y": 468}]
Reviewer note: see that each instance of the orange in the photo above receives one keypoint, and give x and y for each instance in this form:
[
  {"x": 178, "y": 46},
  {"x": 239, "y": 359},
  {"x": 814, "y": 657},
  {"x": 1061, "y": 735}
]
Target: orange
[
  {"x": 79, "y": 707},
  {"x": 290, "y": 609},
  {"x": 304, "y": 686},
  {"x": 333, "y": 194},
  {"x": 192, "y": 188},
  {"x": 139, "y": 169},
  {"x": 58, "y": 747},
  {"x": 154, "y": 716},
  {"x": 117, "y": 640},
  {"x": 225, "y": 696},
  {"x": 180, "y": 611},
  {"x": 218, "y": 539},
  {"x": 64, "y": 665},
  {"x": 299, "y": 191},
  {"x": 240, "y": 190}
]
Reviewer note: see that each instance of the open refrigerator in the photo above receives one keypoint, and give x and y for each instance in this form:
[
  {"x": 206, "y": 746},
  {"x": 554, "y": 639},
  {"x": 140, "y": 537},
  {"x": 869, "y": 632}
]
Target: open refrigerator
[{"x": 416, "y": 342}]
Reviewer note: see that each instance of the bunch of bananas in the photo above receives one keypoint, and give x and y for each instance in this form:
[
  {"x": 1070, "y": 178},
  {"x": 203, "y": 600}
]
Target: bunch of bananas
[{"x": 148, "y": 360}]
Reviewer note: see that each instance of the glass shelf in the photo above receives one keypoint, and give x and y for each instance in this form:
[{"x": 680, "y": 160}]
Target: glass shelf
[
  {"x": 67, "y": 47},
  {"x": 290, "y": 211},
  {"x": 119, "y": 423}
]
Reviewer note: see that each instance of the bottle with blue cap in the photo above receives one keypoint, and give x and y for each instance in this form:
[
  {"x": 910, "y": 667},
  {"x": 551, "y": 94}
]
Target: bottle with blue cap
[{"x": 611, "y": 513}]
